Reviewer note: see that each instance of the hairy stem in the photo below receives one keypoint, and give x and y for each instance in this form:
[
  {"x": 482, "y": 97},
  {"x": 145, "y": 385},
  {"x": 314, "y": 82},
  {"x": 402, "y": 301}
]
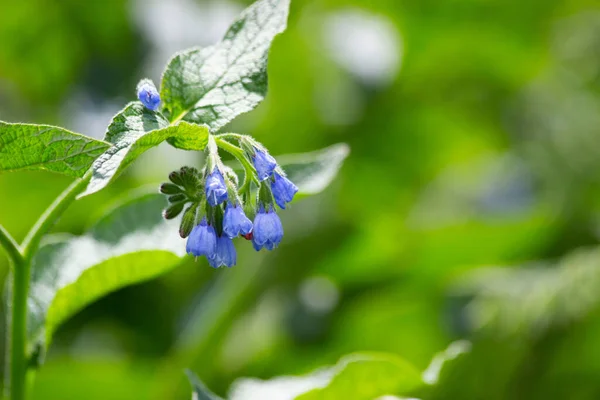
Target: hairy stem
[
  {"x": 52, "y": 214},
  {"x": 238, "y": 153},
  {"x": 21, "y": 258}
]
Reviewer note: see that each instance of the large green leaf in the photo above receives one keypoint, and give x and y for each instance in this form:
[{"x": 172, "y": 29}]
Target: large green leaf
[
  {"x": 134, "y": 131},
  {"x": 130, "y": 244},
  {"x": 312, "y": 172},
  {"x": 357, "y": 377},
  {"x": 24, "y": 146},
  {"x": 213, "y": 85}
]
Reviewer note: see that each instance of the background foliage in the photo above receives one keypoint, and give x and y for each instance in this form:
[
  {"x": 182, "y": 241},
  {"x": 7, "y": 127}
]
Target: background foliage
[{"x": 473, "y": 127}]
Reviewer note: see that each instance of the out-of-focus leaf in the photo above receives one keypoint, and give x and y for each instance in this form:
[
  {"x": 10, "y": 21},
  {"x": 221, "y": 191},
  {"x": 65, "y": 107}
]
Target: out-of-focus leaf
[
  {"x": 359, "y": 376},
  {"x": 134, "y": 131},
  {"x": 94, "y": 378},
  {"x": 199, "y": 389},
  {"x": 530, "y": 301},
  {"x": 27, "y": 146},
  {"x": 213, "y": 85},
  {"x": 444, "y": 359},
  {"x": 313, "y": 172},
  {"x": 130, "y": 244}
]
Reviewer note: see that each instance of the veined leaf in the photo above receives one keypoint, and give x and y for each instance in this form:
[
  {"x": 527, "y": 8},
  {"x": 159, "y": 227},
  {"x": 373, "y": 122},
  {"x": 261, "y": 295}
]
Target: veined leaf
[
  {"x": 130, "y": 244},
  {"x": 134, "y": 131},
  {"x": 313, "y": 172},
  {"x": 25, "y": 146},
  {"x": 357, "y": 377},
  {"x": 213, "y": 85}
]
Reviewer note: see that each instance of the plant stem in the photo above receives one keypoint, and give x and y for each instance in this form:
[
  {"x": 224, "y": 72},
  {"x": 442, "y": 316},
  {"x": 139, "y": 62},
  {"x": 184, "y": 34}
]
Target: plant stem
[
  {"x": 13, "y": 250},
  {"x": 52, "y": 214},
  {"x": 235, "y": 136},
  {"x": 18, "y": 330},
  {"x": 238, "y": 153},
  {"x": 21, "y": 258}
]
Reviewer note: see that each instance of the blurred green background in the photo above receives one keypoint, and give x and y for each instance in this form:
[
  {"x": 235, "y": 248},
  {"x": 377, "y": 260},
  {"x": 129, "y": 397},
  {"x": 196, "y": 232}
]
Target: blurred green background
[{"x": 475, "y": 134}]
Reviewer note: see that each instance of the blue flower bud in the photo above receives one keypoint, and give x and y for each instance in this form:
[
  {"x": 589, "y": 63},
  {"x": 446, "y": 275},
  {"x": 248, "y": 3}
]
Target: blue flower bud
[
  {"x": 235, "y": 221},
  {"x": 264, "y": 163},
  {"x": 283, "y": 189},
  {"x": 215, "y": 189},
  {"x": 148, "y": 95},
  {"x": 226, "y": 254},
  {"x": 202, "y": 241},
  {"x": 268, "y": 230}
]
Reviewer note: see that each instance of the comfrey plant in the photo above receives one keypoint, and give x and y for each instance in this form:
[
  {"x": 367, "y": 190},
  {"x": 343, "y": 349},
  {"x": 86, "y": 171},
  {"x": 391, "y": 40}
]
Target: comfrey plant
[
  {"x": 217, "y": 210},
  {"x": 201, "y": 91}
]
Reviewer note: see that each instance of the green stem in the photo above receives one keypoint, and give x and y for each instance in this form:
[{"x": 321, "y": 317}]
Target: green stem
[
  {"x": 21, "y": 258},
  {"x": 235, "y": 136},
  {"x": 238, "y": 153},
  {"x": 52, "y": 214},
  {"x": 13, "y": 250},
  {"x": 18, "y": 330}
]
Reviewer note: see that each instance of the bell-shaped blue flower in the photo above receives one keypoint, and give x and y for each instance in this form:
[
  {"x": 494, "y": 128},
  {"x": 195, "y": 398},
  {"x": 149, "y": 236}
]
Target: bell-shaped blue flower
[
  {"x": 202, "y": 241},
  {"x": 235, "y": 221},
  {"x": 148, "y": 95},
  {"x": 283, "y": 189},
  {"x": 226, "y": 254},
  {"x": 215, "y": 188},
  {"x": 264, "y": 163},
  {"x": 268, "y": 230}
]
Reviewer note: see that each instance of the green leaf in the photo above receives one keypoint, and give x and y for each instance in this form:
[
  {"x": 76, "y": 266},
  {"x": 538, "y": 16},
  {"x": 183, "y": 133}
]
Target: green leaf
[
  {"x": 213, "y": 85},
  {"x": 313, "y": 172},
  {"x": 134, "y": 131},
  {"x": 24, "y": 146},
  {"x": 357, "y": 377},
  {"x": 199, "y": 390},
  {"x": 130, "y": 244},
  {"x": 530, "y": 301}
]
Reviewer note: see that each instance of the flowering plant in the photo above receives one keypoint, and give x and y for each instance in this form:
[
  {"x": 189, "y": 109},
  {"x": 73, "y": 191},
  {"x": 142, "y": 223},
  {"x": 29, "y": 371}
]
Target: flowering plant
[{"x": 201, "y": 91}]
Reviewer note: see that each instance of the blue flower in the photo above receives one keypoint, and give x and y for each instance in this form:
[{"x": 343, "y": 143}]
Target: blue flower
[
  {"x": 235, "y": 221},
  {"x": 283, "y": 189},
  {"x": 148, "y": 95},
  {"x": 264, "y": 163},
  {"x": 268, "y": 230},
  {"x": 216, "y": 191},
  {"x": 202, "y": 241},
  {"x": 225, "y": 255}
]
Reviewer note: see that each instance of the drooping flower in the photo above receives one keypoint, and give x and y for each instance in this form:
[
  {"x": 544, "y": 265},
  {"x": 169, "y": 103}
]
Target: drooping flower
[
  {"x": 264, "y": 163},
  {"x": 283, "y": 189},
  {"x": 215, "y": 189},
  {"x": 226, "y": 254},
  {"x": 202, "y": 241},
  {"x": 235, "y": 221},
  {"x": 148, "y": 95},
  {"x": 268, "y": 230}
]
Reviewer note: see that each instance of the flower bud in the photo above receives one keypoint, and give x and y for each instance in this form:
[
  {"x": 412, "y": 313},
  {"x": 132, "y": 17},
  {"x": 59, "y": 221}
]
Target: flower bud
[
  {"x": 169, "y": 188},
  {"x": 176, "y": 178},
  {"x": 187, "y": 221},
  {"x": 178, "y": 198},
  {"x": 173, "y": 210},
  {"x": 148, "y": 95}
]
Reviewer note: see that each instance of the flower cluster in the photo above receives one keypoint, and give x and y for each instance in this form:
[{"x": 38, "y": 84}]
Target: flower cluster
[{"x": 219, "y": 209}]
